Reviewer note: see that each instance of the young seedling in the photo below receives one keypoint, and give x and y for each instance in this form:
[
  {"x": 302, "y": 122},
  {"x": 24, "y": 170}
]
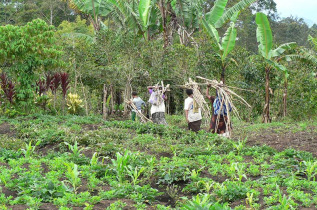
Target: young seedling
[
  {"x": 120, "y": 164},
  {"x": 73, "y": 176},
  {"x": 94, "y": 159},
  {"x": 29, "y": 149},
  {"x": 249, "y": 200},
  {"x": 239, "y": 171},
  {"x": 135, "y": 174},
  {"x": 74, "y": 148},
  {"x": 239, "y": 145},
  {"x": 285, "y": 203},
  {"x": 151, "y": 164},
  {"x": 310, "y": 169}
]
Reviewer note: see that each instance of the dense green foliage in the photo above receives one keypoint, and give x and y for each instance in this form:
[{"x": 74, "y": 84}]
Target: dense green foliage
[{"x": 127, "y": 45}]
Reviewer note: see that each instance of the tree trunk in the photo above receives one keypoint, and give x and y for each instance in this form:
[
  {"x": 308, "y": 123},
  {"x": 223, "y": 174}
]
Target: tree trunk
[
  {"x": 266, "y": 111},
  {"x": 51, "y": 18},
  {"x": 127, "y": 95},
  {"x": 285, "y": 99},
  {"x": 164, "y": 22},
  {"x": 223, "y": 71},
  {"x": 104, "y": 104},
  {"x": 112, "y": 99}
]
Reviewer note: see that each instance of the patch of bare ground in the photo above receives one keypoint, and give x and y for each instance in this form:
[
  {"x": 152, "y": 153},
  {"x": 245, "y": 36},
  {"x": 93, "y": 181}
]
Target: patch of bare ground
[
  {"x": 6, "y": 128},
  {"x": 301, "y": 140}
]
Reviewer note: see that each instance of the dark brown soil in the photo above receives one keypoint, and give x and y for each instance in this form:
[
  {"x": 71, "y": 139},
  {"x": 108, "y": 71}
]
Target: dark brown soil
[
  {"x": 47, "y": 148},
  {"x": 18, "y": 207},
  {"x": 45, "y": 168},
  {"x": 6, "y": 128},
  {"x": 303, "y": 140},
  {"x": 48, "y": 206},
  {"x": 8, "y": 192},
  {"x": 106, "y": 203}
]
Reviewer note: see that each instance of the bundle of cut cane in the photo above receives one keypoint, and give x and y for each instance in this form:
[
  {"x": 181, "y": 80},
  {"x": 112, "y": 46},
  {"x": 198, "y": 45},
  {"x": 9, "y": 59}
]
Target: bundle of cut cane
[
  {"x": 226, "y": 98},
  {"x": 142, "y": 117},
  {"x": 199, "y": 99},
  {"x": 160, "y": 90}
]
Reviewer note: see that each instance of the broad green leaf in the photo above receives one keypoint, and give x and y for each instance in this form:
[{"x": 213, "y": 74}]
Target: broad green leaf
[
  {"x": 304, "y": 56},
  {"x": 264, "y": 35},
  {"x": 212, "y": 32},
  {"x": 144, "y": 11},
  {"x": 282, "y": 48},
  {"x": 229, "y": 41},
  {"x": 216, "y": 12},
  {"x": 276, "y": 65},
  {"x": 232, "y": 11},
  {"x": 101, "y": 7}
]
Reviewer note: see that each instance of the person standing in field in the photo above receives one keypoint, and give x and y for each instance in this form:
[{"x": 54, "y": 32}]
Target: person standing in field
[
  {"x": 158, "y": 106},
  {"x": 218, "y": 110},
  {"x": 138, "y": 102},
  {"x": 192, "y": 112}
]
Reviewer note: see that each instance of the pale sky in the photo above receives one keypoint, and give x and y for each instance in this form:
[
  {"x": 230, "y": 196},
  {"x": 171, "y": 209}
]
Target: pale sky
[{"x": 306, "y": 9}]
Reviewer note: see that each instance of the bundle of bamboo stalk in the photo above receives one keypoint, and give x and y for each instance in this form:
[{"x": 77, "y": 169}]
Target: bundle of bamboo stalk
[
  {"x": 142, "y": 117},
  {"x": 225, "y": 95}
]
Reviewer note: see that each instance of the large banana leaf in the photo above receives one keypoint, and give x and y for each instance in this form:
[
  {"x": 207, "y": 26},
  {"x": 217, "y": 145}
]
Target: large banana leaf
[
  {"x": 213, "y": 33},
  {"x": 282, "y": 48},
  {"x": 304, "y": 56},
  {"x": 313, "y": 40},
  {"x": 276, "y": 65},
  {"x": 216, "y": 12},
  {"x": 128, "y": 15},
  {"x": 264, "y": 35},
  {"x": 229, "y": 41},
  {"x": 144, "y": 11},
  {"x": 92, "y": 7},
  {"x": 186, "y": 11},
  {"x": 232, "y": 11}
]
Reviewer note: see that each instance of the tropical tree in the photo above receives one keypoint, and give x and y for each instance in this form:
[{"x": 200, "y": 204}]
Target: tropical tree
[
  {"x": 25, "y": 50},
  {"x": 216, "y": 18},
  {"x": 270, "y": 55}
]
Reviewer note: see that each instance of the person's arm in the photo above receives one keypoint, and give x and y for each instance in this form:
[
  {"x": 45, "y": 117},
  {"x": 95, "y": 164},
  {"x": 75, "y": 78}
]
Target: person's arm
[
  {"x": 164, "y": 97},
  {"x": 143, "y": 103},
  {"x": 186, "y": 116},
  {"x": 207, "y": 91},
  {"x": 186, "y": 109}
]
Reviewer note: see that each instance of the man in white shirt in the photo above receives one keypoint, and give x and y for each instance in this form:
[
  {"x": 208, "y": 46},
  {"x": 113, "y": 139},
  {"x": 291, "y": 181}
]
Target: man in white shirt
[{"x": 192, "y": 112}]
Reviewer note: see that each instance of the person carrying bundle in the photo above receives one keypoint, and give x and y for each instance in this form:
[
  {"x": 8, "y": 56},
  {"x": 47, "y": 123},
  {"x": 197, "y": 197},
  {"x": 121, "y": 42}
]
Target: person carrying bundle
[
  {"x": 192, "y": 112},
  {"x": 138, "y": 102},
  {"x": 157, "y": 98},
  {"x": 219, "y": 113}
]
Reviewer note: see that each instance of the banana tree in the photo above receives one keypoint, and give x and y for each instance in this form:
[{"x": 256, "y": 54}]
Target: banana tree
[
  {"x": 187, "y": 14},
  {"x": 222, "y": 46},
  {"x": 216, "y": 18},
  {"x": 303, "y": 56},
  {"x": 94, "y": 8},
  {"x": 271, "y": 56}
]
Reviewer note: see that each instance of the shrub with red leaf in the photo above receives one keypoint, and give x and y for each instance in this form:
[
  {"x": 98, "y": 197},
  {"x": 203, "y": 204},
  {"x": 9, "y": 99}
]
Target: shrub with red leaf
[
  {"x": 10, "y": 92},
  {"x": 49, "y": 78},
  {"x": 56, "y": 81},
  {"x": 41, "y": 87},
  {"x": 7, "y": 87},
  {"x": 4, "y": 82},
  {"x": 64, "y": 83}
]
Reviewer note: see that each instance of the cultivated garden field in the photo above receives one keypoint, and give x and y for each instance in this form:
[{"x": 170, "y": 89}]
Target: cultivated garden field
[
  {"x": 71, "y": 72},
  {"x": 73, "y": 162}
]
